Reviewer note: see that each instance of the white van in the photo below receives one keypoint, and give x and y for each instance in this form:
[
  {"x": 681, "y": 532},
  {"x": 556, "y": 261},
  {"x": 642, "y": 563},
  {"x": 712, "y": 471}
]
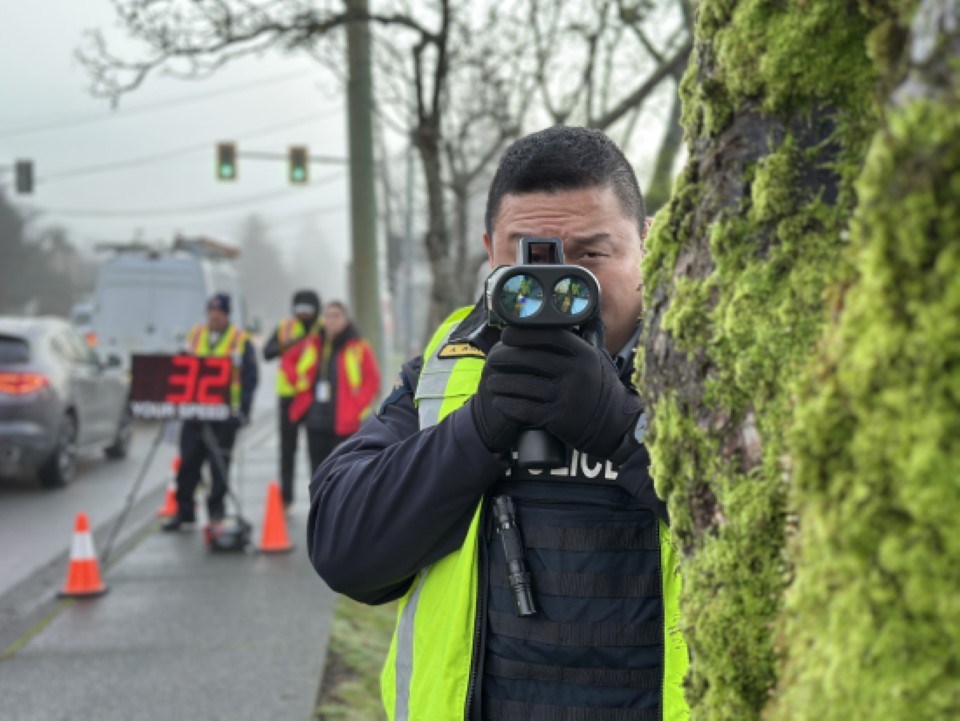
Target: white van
[{"x": 146, "y": 301}]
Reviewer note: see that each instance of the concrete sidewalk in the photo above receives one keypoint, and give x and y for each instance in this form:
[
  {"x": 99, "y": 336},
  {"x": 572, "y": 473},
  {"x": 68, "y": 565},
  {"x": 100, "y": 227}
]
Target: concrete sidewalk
[{"x": 185, "y": 634}]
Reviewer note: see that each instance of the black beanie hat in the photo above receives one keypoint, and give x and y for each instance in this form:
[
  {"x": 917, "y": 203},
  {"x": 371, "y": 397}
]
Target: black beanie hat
[
  {"x": 219, "y": 301},
  {"x": 306, "y": 298}
]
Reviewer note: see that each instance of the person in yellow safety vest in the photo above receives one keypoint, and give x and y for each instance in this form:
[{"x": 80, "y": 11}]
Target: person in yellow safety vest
[
  {"x": 217, "y": 337},
  {"x": 288, "y": 340},
  {"x": 526, "y": 593}
]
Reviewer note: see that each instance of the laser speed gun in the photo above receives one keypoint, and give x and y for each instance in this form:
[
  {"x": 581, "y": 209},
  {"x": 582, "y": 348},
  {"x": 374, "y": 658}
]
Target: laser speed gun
[{"x": 541, "y": 291}]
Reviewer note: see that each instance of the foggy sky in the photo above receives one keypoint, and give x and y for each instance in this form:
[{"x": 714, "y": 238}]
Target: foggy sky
[{"x": 41, "y": 83}]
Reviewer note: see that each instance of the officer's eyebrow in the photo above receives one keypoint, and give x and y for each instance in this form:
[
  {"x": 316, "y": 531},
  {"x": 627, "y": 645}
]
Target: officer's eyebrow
[{"x": 591, "y": 239}]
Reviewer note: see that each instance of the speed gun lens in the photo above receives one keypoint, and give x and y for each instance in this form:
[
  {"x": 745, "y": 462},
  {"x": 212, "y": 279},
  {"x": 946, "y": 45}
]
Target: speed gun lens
[
  {"x": 521, "y": 296},
  {"x": 571, "y": 296}
]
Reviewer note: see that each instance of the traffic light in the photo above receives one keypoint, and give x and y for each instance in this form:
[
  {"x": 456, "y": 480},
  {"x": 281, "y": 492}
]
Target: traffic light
[
  {"x": 227, "y": 161},
  {"x": 297, "y": 166},
  {"x": 24, "y": 176}
]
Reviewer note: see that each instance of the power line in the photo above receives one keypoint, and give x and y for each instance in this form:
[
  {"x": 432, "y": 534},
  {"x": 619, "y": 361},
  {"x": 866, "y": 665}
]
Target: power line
[
  {"x": 290, "y": 218},
  {"x": 149, "y": 107},
  {"x": 182, "y": 210},
  {"x": 176, "y": 152}
]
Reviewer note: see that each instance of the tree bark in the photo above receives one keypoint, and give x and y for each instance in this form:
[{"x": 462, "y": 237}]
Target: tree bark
[
  {"x": 738, "y": 264},
  {"x": 871, "y": 625}
]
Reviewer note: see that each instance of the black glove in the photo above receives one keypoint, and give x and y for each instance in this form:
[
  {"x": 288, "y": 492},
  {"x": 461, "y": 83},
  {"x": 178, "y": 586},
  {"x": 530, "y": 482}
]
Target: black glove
[
  {"x": 550, "y": 378},
  {"x": 497, "y": 432}
]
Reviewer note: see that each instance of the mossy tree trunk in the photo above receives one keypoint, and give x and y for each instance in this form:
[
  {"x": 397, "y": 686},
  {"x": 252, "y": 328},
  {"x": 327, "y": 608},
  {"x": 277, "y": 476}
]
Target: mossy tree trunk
[
  {"x": 739, "y": 261},
  {"x": 801, "y": 362}
]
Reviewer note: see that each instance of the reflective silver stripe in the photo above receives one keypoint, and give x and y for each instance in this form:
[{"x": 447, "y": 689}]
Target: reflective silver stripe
[
  {"x": 432, "y": 385},
  {"x": 429, "y": 411},
  {"x": 433, "y": 380},
  {"x": 404, "y": 659}
]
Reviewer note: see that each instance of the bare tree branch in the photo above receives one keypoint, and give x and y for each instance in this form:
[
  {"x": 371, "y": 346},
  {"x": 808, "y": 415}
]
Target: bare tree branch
[{"x": 639, "y": 94}]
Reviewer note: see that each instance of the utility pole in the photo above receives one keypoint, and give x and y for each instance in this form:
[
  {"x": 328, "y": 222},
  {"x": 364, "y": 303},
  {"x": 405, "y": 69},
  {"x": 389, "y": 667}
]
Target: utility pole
[{"x": 365, "y": 280}]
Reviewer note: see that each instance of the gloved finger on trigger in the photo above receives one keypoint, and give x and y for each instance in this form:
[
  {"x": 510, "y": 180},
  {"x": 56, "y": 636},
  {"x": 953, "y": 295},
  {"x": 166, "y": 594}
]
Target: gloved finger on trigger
[{"x": 525, "y": 387}]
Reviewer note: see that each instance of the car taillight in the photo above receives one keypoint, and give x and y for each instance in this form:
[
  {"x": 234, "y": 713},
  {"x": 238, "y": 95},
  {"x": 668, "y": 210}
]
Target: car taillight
[{"x": 20, "y": 384}]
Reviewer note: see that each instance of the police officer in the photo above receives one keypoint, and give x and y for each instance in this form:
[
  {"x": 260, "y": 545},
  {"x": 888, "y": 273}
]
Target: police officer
[
  {"x": 287, "y": 341},
  {"x": 405, "y": 508},
  {"x": 218, "y": 337}
]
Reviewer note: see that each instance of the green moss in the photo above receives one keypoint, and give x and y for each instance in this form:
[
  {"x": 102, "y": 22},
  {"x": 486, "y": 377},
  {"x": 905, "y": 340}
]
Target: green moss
[
  {"x": 767, "y": 50},
  {"x": 772, "y": 193},
  {"x": 687, "y": 320},
  {"x": 781, "y": 53},
  {"x": 676, "y": 431},
  {"x": 872, "y": 627},
  {"x": 662, "y": 251}
]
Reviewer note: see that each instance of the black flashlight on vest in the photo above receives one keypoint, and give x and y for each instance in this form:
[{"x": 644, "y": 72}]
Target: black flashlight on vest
[
  {"x": 518, "y": 577},
  {"x": 543, "y": 292}
]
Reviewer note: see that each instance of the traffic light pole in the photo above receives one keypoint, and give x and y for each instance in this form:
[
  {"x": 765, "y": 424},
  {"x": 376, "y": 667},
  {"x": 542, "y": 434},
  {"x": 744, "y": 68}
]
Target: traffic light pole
[{"x": 365, "y": 281}]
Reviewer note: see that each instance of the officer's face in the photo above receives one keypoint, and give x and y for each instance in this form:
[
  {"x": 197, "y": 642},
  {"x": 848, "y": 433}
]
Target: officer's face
[{"x": 596, "y": 234}]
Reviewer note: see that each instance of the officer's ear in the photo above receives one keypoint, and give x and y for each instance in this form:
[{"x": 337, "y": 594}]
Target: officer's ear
[{"x": 488, "y": 244}]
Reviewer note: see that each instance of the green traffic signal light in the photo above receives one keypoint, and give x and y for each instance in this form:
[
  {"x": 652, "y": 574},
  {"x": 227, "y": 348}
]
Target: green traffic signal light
[
  {"x": 227, "y": 161},
  {"x": 297, "y": 164}
]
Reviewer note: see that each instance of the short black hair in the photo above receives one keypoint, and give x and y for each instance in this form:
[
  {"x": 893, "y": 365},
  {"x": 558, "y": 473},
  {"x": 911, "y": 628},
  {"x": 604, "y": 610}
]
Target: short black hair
[{"x": 565, "y": 158}]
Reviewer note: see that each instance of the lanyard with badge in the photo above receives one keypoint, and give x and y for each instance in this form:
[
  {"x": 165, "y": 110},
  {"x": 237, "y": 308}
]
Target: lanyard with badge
[{"x": 323, "y": 384}]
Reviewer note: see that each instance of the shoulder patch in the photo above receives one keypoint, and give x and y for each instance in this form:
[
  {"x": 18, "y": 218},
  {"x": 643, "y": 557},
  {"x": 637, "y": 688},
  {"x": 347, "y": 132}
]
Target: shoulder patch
[{"x": 460, "y": 350}]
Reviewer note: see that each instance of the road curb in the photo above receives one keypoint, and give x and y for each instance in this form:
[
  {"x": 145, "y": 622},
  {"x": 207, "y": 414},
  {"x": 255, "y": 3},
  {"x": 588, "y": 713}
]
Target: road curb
[{"x": 33, "y": 603}]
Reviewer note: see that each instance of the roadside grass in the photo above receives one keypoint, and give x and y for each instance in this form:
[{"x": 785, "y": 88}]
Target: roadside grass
[{"x": 350, "y": 690}]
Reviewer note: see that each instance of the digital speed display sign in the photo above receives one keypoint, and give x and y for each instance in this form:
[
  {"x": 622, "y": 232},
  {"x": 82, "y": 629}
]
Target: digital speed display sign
[{"x": 180, "y": 387}]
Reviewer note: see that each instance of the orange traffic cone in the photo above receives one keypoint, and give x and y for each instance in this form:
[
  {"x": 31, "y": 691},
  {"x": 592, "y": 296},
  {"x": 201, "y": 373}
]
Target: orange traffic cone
[
  {"x": 83, "y": 574},
  {"x": 169, "y": 507},
  {"x": 274, "y": 538}
]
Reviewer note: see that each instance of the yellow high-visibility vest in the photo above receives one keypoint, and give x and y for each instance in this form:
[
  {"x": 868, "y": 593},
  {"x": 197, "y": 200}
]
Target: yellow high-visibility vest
[{"x": 231, "y": 344}]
